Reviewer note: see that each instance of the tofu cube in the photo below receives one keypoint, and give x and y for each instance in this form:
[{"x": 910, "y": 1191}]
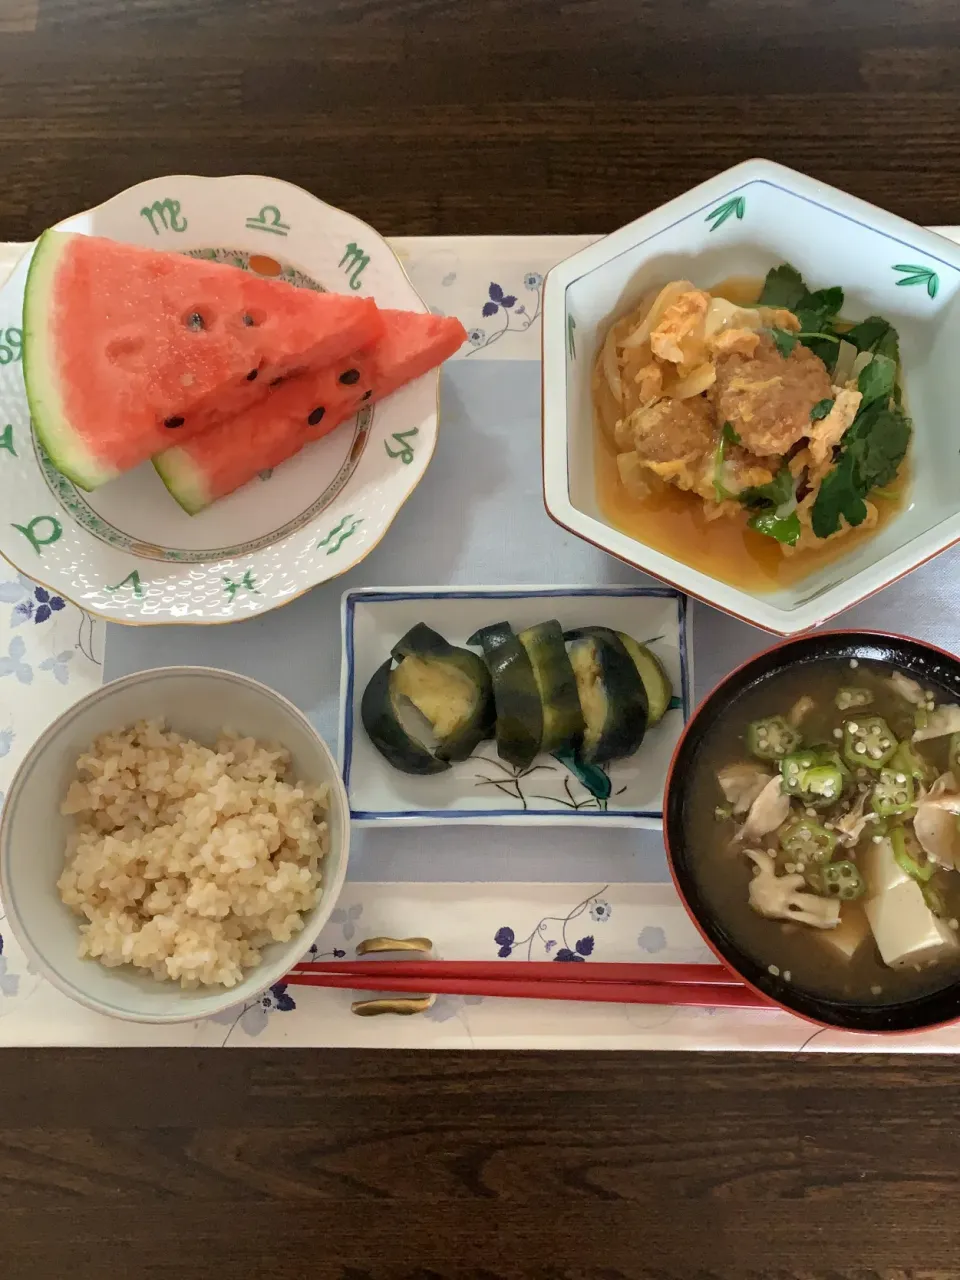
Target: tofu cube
[
  {"x": 880, "y": 869},
  {"x": 850, "y": 934},
  {"x": 906, "y": 930}
]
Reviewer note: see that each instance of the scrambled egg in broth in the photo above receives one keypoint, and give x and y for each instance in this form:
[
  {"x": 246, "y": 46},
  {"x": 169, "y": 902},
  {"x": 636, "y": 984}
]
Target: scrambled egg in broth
[{"x": 703, "y": 398}]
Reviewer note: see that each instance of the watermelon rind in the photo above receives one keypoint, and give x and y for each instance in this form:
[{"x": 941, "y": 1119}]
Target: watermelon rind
[
  {"x": 41, "y": 371},
  {"x": 183, "y": 479}
]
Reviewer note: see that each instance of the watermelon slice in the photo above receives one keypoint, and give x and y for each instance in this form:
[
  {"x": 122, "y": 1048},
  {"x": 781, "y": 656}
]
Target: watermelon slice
[
  {"x": 306, "y": 408},
  {"x": 125, "y": 347}
]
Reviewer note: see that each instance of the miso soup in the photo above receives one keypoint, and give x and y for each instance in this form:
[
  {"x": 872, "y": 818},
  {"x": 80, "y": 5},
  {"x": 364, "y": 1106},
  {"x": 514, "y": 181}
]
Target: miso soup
[{"x": 823, "y": 829}]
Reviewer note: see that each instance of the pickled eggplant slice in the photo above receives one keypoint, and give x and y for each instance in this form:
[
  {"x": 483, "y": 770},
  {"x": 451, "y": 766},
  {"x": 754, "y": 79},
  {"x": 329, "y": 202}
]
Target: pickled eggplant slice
[
  {"x": 519, "y": 729},
  {"x": 450, "y": 687},
  {"x": 655, "y": 680},
  {"x": 559, "y": 700},
  {"x": 380, "y": 716},
  {"x": 612, "y": 695}
]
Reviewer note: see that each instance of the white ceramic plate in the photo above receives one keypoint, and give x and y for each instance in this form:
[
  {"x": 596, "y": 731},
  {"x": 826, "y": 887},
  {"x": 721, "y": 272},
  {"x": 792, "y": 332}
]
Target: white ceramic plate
[
  {"x": 743, "y": 222},
  {"x": 484, "y": 788},
  {"x": 127, "y": 551}
]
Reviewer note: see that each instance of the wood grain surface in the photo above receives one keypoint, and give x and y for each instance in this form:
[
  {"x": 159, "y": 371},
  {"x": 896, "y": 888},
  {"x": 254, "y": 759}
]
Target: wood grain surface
[{"x": 429, "y": 116}]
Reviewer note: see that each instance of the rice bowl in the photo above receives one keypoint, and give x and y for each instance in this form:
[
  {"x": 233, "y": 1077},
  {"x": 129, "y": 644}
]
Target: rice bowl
[{"x": 206, "y": 886}]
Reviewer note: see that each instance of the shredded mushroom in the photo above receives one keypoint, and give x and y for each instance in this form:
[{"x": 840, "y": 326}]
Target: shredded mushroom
[
  {"x": 935, "y": 824},
  {"x": 769, "y": 811},
  {"x": 781, "y": 897},
  {"x": 742, "y": 783},
  {"x": 850, "y": 827},
  {"x": 941, "y": 722},
  {"x": 908, "y": 689}
]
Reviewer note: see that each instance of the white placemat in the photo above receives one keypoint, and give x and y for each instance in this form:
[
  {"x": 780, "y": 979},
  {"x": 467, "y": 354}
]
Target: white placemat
[{"x": 478, "y": 893}]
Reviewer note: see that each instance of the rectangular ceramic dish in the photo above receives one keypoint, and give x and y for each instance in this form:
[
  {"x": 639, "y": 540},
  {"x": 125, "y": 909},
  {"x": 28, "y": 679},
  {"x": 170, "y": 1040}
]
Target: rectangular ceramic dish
[{"x": 484, "y": 789}]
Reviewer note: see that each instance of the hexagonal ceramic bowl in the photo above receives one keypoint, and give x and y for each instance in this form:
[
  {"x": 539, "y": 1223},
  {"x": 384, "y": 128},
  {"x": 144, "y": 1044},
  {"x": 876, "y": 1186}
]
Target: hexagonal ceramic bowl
[{"x": 743, "y": 222}]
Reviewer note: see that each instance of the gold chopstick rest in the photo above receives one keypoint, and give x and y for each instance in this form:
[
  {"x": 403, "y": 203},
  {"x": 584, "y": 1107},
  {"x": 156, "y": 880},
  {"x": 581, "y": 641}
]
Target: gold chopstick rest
[{"x": 404, "y": 1006}]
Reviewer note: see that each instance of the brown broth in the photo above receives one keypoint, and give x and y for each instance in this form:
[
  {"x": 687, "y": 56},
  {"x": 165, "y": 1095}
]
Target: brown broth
[
  {"x": 673, "y": 521},
  {"x": 723, "y": 874}
]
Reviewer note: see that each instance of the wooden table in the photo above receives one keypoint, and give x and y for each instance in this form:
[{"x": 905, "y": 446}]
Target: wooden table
[{"x": 427, "y": 116}]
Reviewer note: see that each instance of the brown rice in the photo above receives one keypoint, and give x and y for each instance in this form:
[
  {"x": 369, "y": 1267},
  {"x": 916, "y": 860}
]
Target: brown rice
[{"x": 186, "y": 860}]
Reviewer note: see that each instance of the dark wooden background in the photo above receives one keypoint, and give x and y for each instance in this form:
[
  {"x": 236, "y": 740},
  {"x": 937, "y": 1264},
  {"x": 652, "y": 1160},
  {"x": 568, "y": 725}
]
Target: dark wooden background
[{"x": 508, "y": 116}]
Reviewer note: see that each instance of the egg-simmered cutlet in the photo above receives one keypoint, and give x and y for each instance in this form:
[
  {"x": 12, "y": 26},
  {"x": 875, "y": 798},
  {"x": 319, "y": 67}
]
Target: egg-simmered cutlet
[
  {"x": 677, "y": 440},
  {"x": 779, "y": 414},
  {"x": 767, "y": 399}
]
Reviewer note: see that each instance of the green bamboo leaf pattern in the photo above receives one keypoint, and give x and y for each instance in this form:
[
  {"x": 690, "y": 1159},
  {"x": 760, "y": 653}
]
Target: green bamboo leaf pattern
[
  {"x": 571, "y": 340},
  {"x": 919, "y": 275},
  {"x": 735, "y": 206}
]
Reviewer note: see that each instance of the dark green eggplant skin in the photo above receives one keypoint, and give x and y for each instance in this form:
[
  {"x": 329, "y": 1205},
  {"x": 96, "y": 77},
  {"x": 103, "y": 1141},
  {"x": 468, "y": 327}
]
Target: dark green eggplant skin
[
  {"x": 625, "y": 714},
  {"x": 562, "y": 718},
  {"x": 423, "y": 642},
  {"x": 515, "y": 695},
  {"x": 384, "y": 729}
]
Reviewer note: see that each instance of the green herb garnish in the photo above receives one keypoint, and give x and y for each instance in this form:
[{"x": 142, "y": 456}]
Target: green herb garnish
[
  {"x": 775, "y": 494},
  {"x": 876, "y": 381},
  {"x": 783, "y": 528},
  {"x": 877, "y": 335},
  {"x": 821, "y": 410},
  {"x": 727, "y": 436},
  {"x": 783, "y": 287},
  {"x": 816, "y": 311},
  {"x": 872, "y": 450},
  {"x": 784, "y": 341}
]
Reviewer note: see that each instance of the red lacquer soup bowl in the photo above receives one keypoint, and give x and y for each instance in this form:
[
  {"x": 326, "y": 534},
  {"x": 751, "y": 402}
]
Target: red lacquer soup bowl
[{"x": 923, "y": 662}]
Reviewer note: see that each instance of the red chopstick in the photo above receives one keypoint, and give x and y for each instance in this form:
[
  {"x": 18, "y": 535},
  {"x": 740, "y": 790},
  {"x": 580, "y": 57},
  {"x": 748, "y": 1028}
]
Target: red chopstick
[
  {"x": 619, "y": 983},
  {"x": 601, "y": 992},
  {"x": 528, "y": 971}
]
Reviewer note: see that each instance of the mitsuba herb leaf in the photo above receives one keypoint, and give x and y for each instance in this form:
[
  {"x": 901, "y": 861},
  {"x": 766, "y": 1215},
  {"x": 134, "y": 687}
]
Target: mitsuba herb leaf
[
  {"x": 876, "y": 381},
  {"x": 815, "y": 310},
  {"x": 872, "y": 450},
  {"x": 783, "y": 341},
  {"x": 783, "y": 528},
  {"x": 878, "y": 441},
  {"x": 783, "y": 287},
  {"x": 877, "y": 335},
  {"x": 821, "y": 410},
  {"x": 780, "y": 490},
  {"x": 838, "y": 495}
]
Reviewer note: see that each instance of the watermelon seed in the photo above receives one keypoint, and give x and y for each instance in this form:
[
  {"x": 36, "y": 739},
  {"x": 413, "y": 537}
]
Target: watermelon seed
[
  {"x": 349, "y": 377},
  {"x": 367, "y": 394},
  {"x": 173, "y": 422},
  {"x": 249, "y": 321},
  {"x": 316, "y": 416},
  {"x": 251, "y": 376},
  {"x": 194, "y": 321}
]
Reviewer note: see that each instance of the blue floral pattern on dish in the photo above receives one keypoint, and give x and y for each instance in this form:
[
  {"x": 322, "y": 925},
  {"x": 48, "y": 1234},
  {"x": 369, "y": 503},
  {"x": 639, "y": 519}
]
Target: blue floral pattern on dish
[
  {"x": 570, "y": 952},
  {"x": 513, "y": 316},
  {"x": 57, "y": 664},
  {"x": 9, "y": 982},
  {"x": 651, "y": 939},
  {"x": 31, "y": 603},
  {"x": 13, "y": 664},
  {"x": 252, "y": 1017},
  {"x": 347, "y": 918},
  {"x": 446, "y": 1007}
]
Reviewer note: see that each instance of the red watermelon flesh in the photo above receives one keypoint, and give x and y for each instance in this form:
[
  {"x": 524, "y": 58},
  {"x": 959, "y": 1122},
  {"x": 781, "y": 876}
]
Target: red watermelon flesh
[
  {"x": 306, "y": 408},
  {"x": 127, "y": 348}
]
